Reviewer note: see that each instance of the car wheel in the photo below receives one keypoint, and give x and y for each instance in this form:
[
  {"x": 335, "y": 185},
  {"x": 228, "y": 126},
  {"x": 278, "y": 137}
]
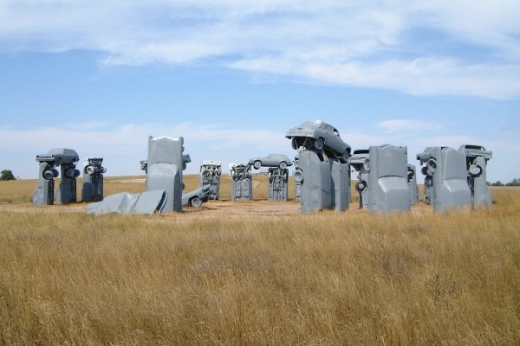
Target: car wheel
[
  {"x": 48, "y": 175},
  {"x": 410, "y": 175},
  {"x": 475, "y": 170},
  {"x": 319, "y": 143},
  {"x": 89, "y": 170},
  {"x": 283, "y": 165},
  {"x": 257, "y": 164},
  {"x": 361, "y": 186},
  {"x": 298, "y": 176},
  {"x": 432, "y": 166},
  {"x": 195, "y": 202},
  {"x": 69, "y": 173}
]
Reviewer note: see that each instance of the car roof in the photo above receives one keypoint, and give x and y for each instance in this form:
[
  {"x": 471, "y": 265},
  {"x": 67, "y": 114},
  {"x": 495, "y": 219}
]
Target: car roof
[{"x": 318, "y": 123}]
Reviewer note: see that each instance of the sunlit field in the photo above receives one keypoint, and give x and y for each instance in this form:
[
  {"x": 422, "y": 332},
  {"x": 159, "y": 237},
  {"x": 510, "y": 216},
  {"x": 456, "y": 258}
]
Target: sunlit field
[{"x": 324, "y": 278}]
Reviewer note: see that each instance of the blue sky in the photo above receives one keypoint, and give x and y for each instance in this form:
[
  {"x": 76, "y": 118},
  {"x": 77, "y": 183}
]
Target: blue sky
[{"x": 101, "y": 76}]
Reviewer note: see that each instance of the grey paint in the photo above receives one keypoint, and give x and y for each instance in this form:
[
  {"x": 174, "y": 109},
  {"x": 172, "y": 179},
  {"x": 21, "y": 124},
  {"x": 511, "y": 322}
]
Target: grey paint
[
  {"x": 340, "y": 174},
  {"x": 278, "y": 186},
  {"x": 66, "y": 159},
  {"x": 196, "y": 197},
  {"x": 445, "y": 177},
  {"x": 148, "y": 202},
  {"x": 241, "y": 182},
  {"x": 323, "y": 171},
  {"x": 476, "y": 165},
  {"x": 316, "y": 182},
  {"x": 297, "y": 182},
  {"x": 319, "y": 136},
  {"x": 361, "y": 164},
  {"x": 164, "y": 167},
  {"x": 412, "y": 185},
  {"x": 272, "y": 160},
  {"x": 383, "y": 178},
  {"x": 210, "y": 172},
  {"x": 388, "y": 189},
  {"x": 93, "y": 179},
  {"x": 44, "y": 193}
]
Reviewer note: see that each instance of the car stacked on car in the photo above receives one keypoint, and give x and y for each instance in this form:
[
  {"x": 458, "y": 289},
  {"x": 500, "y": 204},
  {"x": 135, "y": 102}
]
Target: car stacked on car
[{"x": 318, "y": 135}]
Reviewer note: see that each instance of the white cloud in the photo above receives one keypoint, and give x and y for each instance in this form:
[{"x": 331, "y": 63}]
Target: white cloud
[
  {"x": 132, "y": 137},
  {"x": 122, "y": 147},
  {"x": 355, "y": 43}
]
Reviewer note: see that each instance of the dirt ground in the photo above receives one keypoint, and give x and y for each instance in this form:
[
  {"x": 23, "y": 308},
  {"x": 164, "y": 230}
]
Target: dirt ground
[{"x": 257, "y": 209}]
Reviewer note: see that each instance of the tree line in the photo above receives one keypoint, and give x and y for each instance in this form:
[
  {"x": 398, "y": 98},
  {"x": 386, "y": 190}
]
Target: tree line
[
  {"x": 7, "y": 174},
  {"x": 514, "y": 182}
]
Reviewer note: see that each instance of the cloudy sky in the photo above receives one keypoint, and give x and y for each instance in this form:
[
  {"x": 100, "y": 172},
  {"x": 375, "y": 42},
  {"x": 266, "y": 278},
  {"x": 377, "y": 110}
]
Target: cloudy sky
[{"x": 231, "y": 77}]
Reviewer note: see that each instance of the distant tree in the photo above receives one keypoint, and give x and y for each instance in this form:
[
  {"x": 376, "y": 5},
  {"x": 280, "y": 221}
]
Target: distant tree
[
  {"x": 497, "y": 183},
  {"x": 514, "y": 182},
  {"x": 7, "y": 174}
]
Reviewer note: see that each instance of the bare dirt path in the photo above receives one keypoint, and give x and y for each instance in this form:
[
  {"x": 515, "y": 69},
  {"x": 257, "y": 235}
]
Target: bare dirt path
[
  {"x": 257, "y": 209},
  {"x": 209, "y": 209}
]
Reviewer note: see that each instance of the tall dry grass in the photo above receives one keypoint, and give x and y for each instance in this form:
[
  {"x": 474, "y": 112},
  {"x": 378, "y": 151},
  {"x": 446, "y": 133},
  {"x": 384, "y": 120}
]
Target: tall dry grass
[{"x": 324, "y": 278}]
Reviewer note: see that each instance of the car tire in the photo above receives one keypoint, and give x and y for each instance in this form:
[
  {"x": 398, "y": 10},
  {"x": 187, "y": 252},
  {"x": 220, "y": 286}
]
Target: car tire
[
  {"x": 432, "y": 166},
  {"x": 410, "y": 175},
  {"x": 195, "y": 202},
  {"x": 69, "y": 173},
  {"x": 298, "y": 176},
  {"x": 361, "y": 186},
  {"x": 257, "y": 164},
  {"x": 475, "y": 170},
  {"x": 48, "y": 175},
  {"x": 89, "y": 170},
  {"x": 319, "y": 143},
  {"x": 283, "y": 165}
]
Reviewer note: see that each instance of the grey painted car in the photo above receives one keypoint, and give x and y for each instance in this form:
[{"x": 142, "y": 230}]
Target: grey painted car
[
  {"x": 271, "y": 160},
  {"x": 318, "y": 135},
  {"x": 196, "y": 197}
]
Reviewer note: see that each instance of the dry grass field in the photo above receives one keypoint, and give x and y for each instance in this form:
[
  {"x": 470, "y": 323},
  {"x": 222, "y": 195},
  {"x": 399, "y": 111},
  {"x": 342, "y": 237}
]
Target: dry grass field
[{"x": 257, "y": 273}]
